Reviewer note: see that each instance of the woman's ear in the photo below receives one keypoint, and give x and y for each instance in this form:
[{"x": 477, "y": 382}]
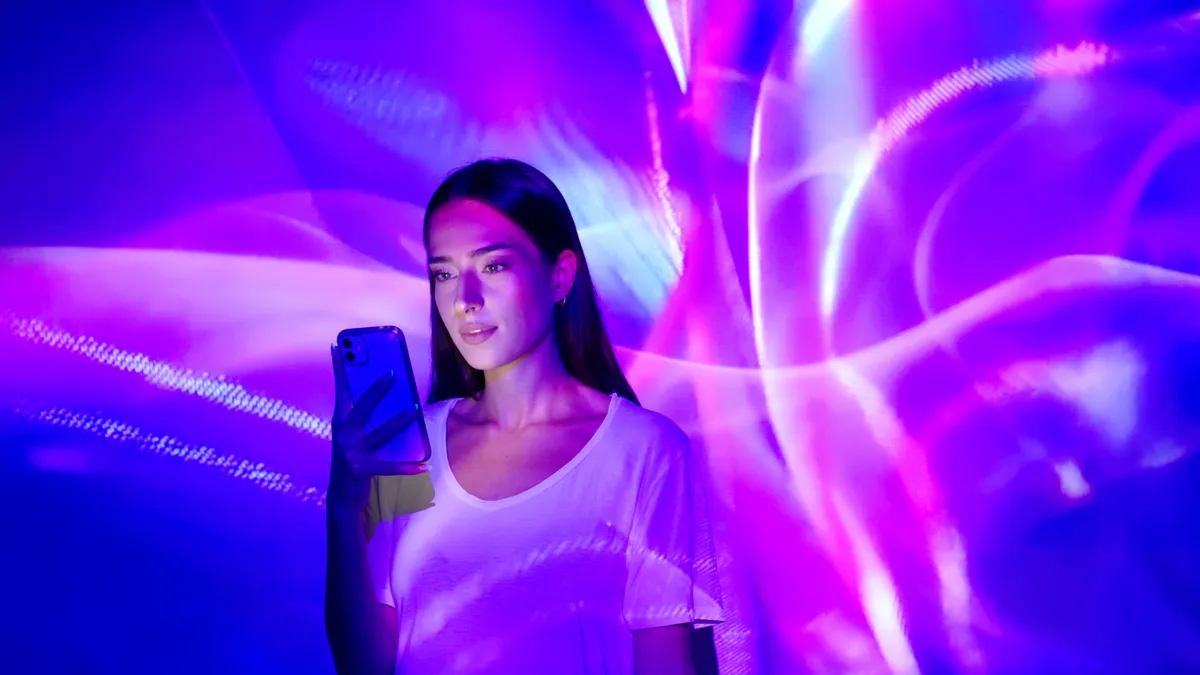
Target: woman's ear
[{"x": 563, "y": 274}]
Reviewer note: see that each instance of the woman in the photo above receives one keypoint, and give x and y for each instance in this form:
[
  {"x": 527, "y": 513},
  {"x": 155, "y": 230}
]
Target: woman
[{"x": 569, "y": 532}]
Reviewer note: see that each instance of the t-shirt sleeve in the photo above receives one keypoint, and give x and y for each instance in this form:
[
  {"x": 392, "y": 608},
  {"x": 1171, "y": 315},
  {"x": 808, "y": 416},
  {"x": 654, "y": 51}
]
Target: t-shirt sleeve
[
  {"x": 392, "y": 499},
  {"x": 671, "y": 560}
]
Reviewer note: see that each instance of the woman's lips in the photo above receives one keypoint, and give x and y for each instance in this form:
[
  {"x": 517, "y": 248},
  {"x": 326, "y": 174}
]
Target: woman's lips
[{"x": 474, "y": 335}]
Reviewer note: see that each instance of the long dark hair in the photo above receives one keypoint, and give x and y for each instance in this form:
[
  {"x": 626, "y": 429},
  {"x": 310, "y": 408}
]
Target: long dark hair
[{"x": 530, "y": 200}]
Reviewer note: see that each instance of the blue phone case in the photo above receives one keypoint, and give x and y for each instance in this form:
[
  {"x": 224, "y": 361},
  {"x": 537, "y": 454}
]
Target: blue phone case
[{"x": 368, "y": 354}]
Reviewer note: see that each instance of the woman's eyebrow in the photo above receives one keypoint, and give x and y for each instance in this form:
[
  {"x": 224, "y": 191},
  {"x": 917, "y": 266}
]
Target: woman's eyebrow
[{"x": 483, "y": 250}]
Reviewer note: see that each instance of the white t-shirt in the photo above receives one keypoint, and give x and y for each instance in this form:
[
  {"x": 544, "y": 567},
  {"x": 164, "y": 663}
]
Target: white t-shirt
[{"x": 551, "y": 580}]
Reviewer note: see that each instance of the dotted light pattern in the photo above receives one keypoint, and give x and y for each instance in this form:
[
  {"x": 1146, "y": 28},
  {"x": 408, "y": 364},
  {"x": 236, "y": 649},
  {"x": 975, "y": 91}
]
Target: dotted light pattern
[
  {"x": 256, "y": 473},
  {"x": 1060, "y": 61},
  {"x": 214, "y": 388}
]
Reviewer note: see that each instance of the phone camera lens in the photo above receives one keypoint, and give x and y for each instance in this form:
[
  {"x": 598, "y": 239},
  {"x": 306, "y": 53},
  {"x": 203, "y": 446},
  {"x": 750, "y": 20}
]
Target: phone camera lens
[
  {"x": 349, "y": 356},
  {"x": 346, "y": 343}
]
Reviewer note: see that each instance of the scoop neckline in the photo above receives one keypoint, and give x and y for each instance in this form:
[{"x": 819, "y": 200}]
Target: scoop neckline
[{"x": 542, "y": 486}]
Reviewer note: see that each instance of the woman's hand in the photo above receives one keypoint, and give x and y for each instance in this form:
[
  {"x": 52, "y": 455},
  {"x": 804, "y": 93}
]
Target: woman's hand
[{"x": 354, "y": 459}]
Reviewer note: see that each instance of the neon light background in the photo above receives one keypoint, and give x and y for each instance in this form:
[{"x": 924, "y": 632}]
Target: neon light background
[{"x": 919, "y": 279}]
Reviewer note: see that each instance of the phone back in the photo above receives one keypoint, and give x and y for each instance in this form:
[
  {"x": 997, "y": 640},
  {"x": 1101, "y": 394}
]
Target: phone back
[{"x": 368, "y": 354}]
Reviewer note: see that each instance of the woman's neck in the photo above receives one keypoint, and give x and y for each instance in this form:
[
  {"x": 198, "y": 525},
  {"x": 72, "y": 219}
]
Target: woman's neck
[{"x": 533, "y": 389}]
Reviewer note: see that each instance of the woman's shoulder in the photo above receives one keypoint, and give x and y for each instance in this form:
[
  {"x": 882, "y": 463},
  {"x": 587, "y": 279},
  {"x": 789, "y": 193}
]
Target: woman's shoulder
[
  {"x": 654, "y": 429},
  {"x": 652, "y": 442}
]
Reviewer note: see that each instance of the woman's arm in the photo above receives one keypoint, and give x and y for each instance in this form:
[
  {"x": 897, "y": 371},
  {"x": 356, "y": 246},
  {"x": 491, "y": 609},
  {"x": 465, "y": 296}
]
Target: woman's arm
[
  {"x": 663, "y": 651},
  {"x": 361, "y": 630}
]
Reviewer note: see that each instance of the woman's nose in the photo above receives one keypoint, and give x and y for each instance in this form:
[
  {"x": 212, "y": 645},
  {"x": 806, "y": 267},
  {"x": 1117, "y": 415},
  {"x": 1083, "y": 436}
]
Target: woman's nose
[{"x": 470, "y": 294}]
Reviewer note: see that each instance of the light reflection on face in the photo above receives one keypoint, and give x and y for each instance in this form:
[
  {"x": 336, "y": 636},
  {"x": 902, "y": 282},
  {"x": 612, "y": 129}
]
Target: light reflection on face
[{"x": 493, "y": 288}]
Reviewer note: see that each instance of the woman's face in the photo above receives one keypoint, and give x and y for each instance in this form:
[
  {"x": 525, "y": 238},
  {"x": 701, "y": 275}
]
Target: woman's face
[{"x": 492, "y": 287}]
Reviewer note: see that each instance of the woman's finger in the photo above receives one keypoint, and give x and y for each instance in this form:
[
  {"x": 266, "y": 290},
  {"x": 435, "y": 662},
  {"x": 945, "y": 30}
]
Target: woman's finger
[
  {"x": 361, "y": 411},
  {"x": 343, "y": 402},
  {"x": 381, "y": 435}
]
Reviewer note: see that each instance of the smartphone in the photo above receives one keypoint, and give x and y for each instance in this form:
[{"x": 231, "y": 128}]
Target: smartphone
[{"x": 368, "y": 354}]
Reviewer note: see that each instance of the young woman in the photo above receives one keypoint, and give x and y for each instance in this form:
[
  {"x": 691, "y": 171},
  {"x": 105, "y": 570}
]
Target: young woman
[{"x": 569, "y": 533}]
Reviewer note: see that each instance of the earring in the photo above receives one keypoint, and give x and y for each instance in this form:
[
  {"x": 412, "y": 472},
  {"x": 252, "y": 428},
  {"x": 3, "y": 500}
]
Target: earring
[{"x": 562, "y": 302}]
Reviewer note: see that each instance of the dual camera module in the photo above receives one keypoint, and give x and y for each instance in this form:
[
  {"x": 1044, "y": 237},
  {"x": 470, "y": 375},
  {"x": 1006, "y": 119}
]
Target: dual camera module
[{"x": 354, "y": 351}]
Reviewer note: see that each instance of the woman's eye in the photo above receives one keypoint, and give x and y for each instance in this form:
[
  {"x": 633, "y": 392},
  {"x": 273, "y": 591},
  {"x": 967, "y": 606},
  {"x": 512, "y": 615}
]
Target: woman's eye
[
  {"x": 492, "y": 268},
  {"x": 439, "y": 276}
]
